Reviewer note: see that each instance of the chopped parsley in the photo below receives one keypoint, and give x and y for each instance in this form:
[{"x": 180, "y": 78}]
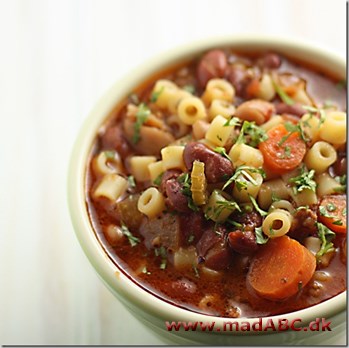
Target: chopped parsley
[
  {"x": 260, "y": 237},
  {"x": 293, "y": 128},
  {"x": 196, "y": 271},
  {"x": 141, "y": 117},
  {"x": 191, "y": 238},
  {"x": 131, "y": 181},
  {"x": 324, "y": 212},
  {"x": 234, "y": 121},
  {"x": 131, "y": 238},
  {"x": 338, "y": 223},
  {"x": 255, "y": 205},
  {"x": 304, "y": 181},
  {"x": 274, "y": 197},
  {"x": 283, "y": 95},
  {"x": 243, "y": 171},
  {"x": 222, "y": 151},
  {"x": 155, "y": 95},
  {"x": 315, "y": 111},
  {"x": 330, "y": 207},
  {"x": 161, "y": 251},
  {"x": 145, "y": 271},
  {"x": 252, "y": 134},
  {"x": 342, "y": 180},
  {"x": 326, "y": 236},
  {"x": 185, "y": 180},
  {"x": 158, "y": 179}
]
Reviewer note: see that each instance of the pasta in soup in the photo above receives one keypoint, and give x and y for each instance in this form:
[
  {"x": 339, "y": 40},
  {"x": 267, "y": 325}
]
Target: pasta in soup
[{"x": 220, "y": 185}]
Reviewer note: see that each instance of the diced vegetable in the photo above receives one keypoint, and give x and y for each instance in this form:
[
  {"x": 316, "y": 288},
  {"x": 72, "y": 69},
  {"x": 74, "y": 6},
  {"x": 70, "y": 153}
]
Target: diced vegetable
[
  {"x": 283, "y": 150},
  {"x": 332, "y": 213},
  {"x": 198, "y": 183},
  {"x": 281, "y": 268}
]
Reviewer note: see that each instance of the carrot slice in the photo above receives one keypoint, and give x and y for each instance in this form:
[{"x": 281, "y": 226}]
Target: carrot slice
[
  {"x": 333, "y": 211},
  {"x": 282, "y": 151},
  {"x": 281, "y": 268}
]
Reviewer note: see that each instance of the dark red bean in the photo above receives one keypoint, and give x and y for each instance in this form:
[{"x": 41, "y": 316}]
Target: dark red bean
[
  {"x": 249, "y": 221},
  {"x": 113, "y": 139},
  {"x": 175, "y": 198},
  {"x": 239, "y": 78},
  {"x": 181, "y": 287},
  {"x": 217, "y": 167},
  {"x": 213, "y": 250},
  {"x": 243, "y": 242},
  {"x": 168, "y": 175},
  {"x": 304, "y": 224},
  {"x": 295, "y": 109},
  {"x": 191, "y": 226},
  {"x": 340, "y": 166},
  {"x": 272, "y": 61},
  {"x": 212, "y": 65}
]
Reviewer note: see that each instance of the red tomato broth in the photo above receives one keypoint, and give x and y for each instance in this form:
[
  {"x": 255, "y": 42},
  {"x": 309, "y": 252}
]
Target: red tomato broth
[{"x": 184, "y": 288}]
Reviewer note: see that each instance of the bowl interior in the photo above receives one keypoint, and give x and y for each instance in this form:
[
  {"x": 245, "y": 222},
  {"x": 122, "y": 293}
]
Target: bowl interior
[{"x": 120, "y": 284}]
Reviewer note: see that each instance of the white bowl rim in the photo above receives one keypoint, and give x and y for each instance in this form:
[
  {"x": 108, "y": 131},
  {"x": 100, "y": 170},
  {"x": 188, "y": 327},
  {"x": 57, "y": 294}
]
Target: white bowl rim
[{"x": 110, "y": 272}]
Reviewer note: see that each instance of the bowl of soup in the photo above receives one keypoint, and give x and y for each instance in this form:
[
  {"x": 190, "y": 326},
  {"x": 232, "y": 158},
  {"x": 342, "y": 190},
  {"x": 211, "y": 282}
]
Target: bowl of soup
[{"x": 208, "y": 190}]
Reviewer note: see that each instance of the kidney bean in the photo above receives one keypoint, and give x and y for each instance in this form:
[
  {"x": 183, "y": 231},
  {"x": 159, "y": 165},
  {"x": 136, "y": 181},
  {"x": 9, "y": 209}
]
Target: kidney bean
[
  {"x": 191, "y": 226},
  {"x": 249, "y": 221},
  {"x": 340, "y": 166},
  {"x": 272, "y": 60},
  {"x": 294, "y": 109},
  {"x": 175, "y": 198},
  {"x": 256, "y": 110},
  {"x": 113, "y": 139},
  {"x": 216, "y": 166},
  {"x": 212, "y": 65},
  {"x": 168, "y": 175},
  {"x": 239, "y": 78},
  {"x": 213, "y": 249},
  {"x": 303, "y": 224},
  {"x": 243, "y": 242}
]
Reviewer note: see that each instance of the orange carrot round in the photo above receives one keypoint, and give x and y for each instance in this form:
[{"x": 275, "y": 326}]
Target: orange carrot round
[
  {"x": 282, "y": 151},
  {"x": 333, "y": 211},
  {"x": 281, "y": 268}
]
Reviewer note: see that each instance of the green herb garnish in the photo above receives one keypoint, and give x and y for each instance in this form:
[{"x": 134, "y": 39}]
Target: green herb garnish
[
  {"x": 283, "y": 95},
  {"x": 243, "y": 171},
  {"x": 145, "y": 271},
  {"x": 258, "y": 209},
  {"x": 161, "y": 251},
  {"x": 131, "y": 238},
  {"x": 260, "y": 237},
  {"x": 141, "y": 117},
  {"x": 304, "y": 181},
  {"x": 196, "y": 271},
  {"x": 131, "y": 181},
  {"x": 232, "y": 122},
  {"x": 191, "y": 238},
  {"x": 158, "y": 179},
  {"x": 222, "y": 151},
  {"x": 293, "y": 128},
  {"x": 185, "y": 180},
  {"x": 325, "y": 235},
  {"x": 155, "y": 95},
  {"x": 254, "y": 133}
]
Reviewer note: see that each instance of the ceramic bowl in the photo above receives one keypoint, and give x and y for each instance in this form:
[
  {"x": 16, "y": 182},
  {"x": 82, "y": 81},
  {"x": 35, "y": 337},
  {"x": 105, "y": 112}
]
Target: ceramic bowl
[{"x": 149, "y": 309}]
